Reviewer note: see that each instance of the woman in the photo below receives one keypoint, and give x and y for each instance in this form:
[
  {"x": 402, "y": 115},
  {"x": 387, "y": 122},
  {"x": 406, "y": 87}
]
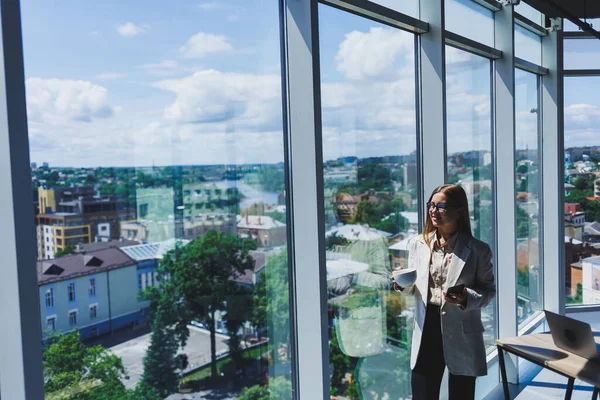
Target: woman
[{"x": 448, "y": 330}]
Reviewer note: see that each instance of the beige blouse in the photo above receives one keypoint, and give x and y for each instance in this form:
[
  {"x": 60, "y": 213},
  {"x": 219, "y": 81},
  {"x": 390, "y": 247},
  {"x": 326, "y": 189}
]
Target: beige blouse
[{"x": 441, "y": 256}]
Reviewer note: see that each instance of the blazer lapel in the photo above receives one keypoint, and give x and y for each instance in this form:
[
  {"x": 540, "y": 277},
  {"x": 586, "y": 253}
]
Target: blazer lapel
[
  {"x": 459, "y": 258},
  {"x": 423, "y": 275}
]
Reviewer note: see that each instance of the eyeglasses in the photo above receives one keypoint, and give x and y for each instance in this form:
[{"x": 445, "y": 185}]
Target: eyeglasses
[{"x": 440, "y": 207}]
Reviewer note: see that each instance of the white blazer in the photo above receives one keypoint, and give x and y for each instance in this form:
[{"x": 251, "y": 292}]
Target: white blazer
[{"x": 462, "y": 329}]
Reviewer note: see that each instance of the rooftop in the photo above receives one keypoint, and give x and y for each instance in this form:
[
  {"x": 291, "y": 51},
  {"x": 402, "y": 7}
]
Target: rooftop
[
  {"x": 259, "y": 222},
  {"x": 76, "y": 265},
  {"x": 152, "y": 251},
  {"x": 107, "y": 245}
]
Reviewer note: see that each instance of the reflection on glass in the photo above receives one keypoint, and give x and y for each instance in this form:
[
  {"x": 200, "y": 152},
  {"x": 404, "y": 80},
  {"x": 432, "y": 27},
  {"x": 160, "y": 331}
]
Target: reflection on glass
[
  {"x": 370, "y": 176},
  {"x": 469, "y": 149},
  {"x": 582, "y": 190},
  {"x": 568, "y": 26},
  {"x": 156, "y": 136},
  {"x": 408, "y": 7},
  {"x": 528, "y": 45},
  {"x": 582, "y": 54},
  {"x": 529, "y": 12},
  {"x": 480, "y": 25},
  {"x": 527, "y": 158}
]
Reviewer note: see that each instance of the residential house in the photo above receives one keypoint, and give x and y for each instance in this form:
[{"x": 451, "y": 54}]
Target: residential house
[
  {"x": 574, "y": 221},
  {"x": 266, "y": 231},
  {"x": 94, "y": 292}
]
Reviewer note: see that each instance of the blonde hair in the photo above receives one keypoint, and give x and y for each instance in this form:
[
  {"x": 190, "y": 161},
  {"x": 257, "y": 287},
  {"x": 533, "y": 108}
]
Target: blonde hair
[{"x": 456, "y": 198}]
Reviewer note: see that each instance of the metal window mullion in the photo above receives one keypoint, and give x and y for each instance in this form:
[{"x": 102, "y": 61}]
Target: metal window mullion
[
  {"x": 552, "y": 173},
  {"x": 491, "y": 5},
  {"x": 20, "y": 340},
  {"x": 432, "y": 97},
  {"x": 530, "y": 67},
  {"x": 308, "y": 301},
  {"x": 504, "y": 172},
  {"x": 581, "y": 72},
  {"x": 471, "y": 46}
]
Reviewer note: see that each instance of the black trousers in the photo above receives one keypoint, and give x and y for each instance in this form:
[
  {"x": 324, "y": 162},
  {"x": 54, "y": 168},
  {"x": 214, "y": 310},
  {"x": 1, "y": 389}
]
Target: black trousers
[{"x": 428, "y": 372}]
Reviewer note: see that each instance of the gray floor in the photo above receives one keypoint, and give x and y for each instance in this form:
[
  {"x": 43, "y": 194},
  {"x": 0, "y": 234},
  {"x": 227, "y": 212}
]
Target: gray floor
[{"x": 544, "y": 385}]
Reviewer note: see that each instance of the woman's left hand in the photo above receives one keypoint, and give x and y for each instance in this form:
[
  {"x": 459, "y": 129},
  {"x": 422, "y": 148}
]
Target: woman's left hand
[{"x": 454, "y": 298}]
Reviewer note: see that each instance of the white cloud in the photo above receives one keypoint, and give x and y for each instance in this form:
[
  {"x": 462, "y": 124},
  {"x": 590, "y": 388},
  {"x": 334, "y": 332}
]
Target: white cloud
[
  {"x": 109, "y": 76},
  {"x": 581, "y": 115},
  {"x": 202, "y": 44},
  {"x": 130, "y": 29},
  {"x": 251, "y": 102},
  {"x": 370, "y": 111},
  {"x": 372, "y": 54},
  {"x": 581, "y": 125},
  {"x": 58, "y": 101},
  {"x": 162, "y": 68}
]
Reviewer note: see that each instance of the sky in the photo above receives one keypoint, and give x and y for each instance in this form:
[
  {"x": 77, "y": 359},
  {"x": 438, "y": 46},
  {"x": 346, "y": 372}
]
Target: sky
[{"x": 136, "y": 83}]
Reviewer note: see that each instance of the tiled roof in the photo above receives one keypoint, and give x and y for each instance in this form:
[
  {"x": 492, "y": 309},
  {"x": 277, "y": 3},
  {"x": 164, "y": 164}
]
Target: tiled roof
[{"x": 76, "y": 265}]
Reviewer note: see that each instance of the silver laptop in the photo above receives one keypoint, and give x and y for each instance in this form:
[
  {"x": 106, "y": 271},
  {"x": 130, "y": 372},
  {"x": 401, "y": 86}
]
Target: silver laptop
[{"x": 572, "y": 335}]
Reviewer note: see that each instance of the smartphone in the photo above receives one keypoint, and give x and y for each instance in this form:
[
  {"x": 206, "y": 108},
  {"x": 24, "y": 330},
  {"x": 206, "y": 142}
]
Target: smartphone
[{"x": 458, "y": 289}]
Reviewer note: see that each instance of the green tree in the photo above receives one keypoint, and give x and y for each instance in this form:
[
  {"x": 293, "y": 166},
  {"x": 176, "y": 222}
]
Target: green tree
[
  {"x": 77, "y": 372},
  {"x": 373, "y": 177},
  {"x": 582, "y": 183},
  {"x": 200, "y": 283},
  {"x": 64, "y": 361},
  {"x": 271, "y": 178},
  {"x": 161, "y": 362},
  {"x": 65, "y": 252},
  {"x": 255, "y": 392},
  {"x": 578, "y": 299}
]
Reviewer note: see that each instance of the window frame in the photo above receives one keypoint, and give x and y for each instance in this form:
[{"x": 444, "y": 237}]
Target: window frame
[
  {"x": 92, "y": 287},
  {"x": 94, "y": 315},
  {"x": 71, "y": 292},
  {"x": 49, "y": 297},
  {"x": 73, "y": 321}
]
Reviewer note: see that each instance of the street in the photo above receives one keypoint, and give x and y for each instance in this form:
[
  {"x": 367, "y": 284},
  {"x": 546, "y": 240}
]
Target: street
[{"x": 197, "y": 349}]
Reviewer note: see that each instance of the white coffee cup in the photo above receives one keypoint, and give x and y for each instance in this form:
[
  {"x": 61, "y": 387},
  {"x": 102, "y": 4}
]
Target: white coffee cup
[{"x": 405, "y": 277}]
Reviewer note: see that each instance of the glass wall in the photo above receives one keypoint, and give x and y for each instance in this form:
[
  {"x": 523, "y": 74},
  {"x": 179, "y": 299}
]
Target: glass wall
[
  {"x": 157, "y": 138},
  {"x": 582, "y": 54},
  {"x": 528, "y": 45},
  {"x": 529, "y": 12},
  {"x": 582, "y": 190},
  {"x": 157, "y": 151},
  {"x": 469, "y": 153},
  {"x": 408, "y": 7},
  {"x": 481, "y": 21},
  {"x": 371, "y": 190},
  {"x": 528, "y": 186}
]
